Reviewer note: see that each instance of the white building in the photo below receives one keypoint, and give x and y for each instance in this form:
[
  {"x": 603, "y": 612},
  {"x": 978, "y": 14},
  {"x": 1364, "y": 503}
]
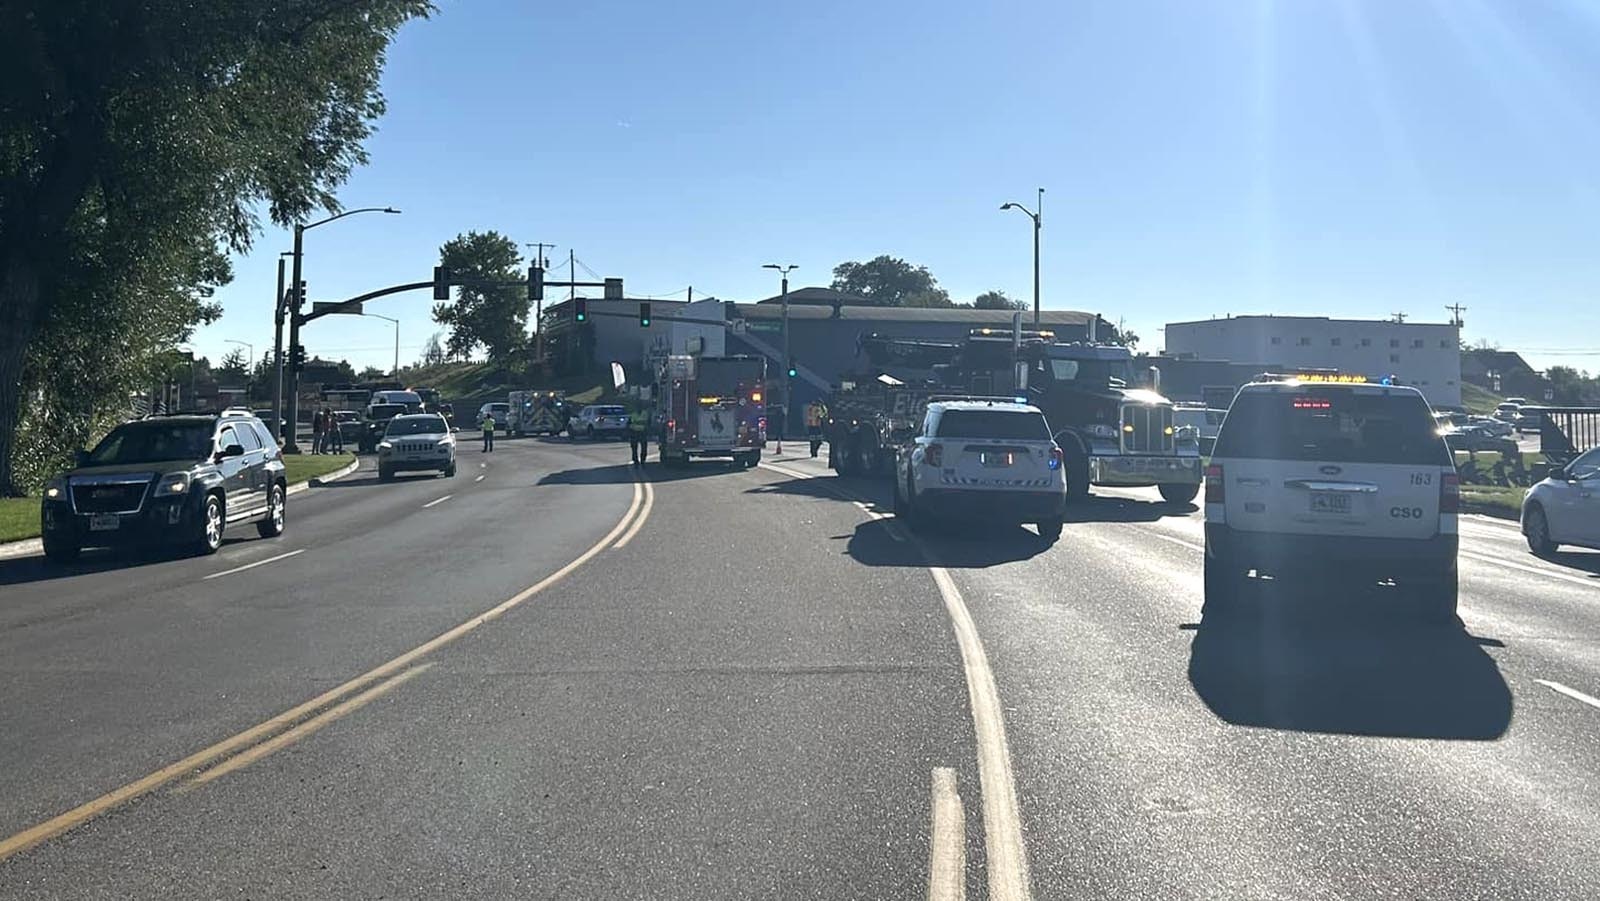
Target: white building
[{"x": 1421, "y": 354}]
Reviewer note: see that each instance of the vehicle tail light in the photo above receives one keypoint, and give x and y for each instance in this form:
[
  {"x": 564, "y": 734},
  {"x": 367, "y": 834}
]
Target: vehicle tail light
[
  {"x": 1057, "y": 458},
  {"x": 933, "y": 455},
  {"x": 1215, "y": 492},
  {"x": 672, "y": 425},
  {"x": 1449, "y": 493}
]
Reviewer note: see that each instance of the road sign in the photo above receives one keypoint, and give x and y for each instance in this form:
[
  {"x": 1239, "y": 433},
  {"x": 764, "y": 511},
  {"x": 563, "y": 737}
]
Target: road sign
[
  {"x": 613, "y": 288},
  {"x": 334, "y": 306}
]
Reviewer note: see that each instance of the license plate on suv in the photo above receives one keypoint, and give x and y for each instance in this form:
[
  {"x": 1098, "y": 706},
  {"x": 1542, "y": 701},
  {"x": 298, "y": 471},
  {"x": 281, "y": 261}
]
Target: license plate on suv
[
  {"x": 104, "y": 522},
  {"x": 1330, "y": 502}
]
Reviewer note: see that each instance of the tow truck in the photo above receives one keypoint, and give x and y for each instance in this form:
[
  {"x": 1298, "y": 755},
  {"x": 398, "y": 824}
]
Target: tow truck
[
  {"x": 712, "y": 407},
  {"x": 1111, "y": 432}
]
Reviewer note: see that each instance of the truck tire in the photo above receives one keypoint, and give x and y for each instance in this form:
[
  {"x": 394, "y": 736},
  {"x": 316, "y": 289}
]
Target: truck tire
[{"x": 1179, "y": 494}]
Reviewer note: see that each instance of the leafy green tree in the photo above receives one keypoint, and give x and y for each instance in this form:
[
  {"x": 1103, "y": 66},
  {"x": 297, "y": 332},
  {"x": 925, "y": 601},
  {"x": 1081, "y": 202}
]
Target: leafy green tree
[
  {"x": 137, "y": 143},
  {"x": 234, "y": 369},
  {"x": 495, "y": 318},
  {"x": 997, "y": 300},
  {"x": 887, "y": 281},
  {"x": 1571, "y": 386}
]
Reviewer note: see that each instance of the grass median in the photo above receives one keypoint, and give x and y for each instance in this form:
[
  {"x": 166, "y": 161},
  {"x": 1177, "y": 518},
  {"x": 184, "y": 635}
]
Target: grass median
[{"x": 19, "y": 516}]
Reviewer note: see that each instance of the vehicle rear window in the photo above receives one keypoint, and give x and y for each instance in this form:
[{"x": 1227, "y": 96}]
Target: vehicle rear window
[
  {"x": 612, "y": 411},
  {"x": 993, "y": 424},
  {"x": 1333, "y": 426}
]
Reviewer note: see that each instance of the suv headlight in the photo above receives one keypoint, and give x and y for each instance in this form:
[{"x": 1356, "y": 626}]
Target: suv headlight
[
  {"x": 176, "y": 483},
  {"x": 56, "y": 488},
  {"x": 385, "y": 446}
]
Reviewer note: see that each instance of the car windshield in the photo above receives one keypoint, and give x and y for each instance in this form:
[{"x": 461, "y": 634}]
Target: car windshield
[
  {"x": 611, "y": 411},
  {"x": 1016, "y": 425},
  {"x": 499, "y": 408},
  {"x": 150, "y": 442},
  {"x": 385, "y": 411},
  {"x": 417, "y": 425},
  {"x": 346, "y": 416},
  {"x": 1332, "y": 426}
]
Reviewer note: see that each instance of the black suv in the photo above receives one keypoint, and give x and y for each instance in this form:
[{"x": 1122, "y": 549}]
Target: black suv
[{"x": 182, "y": 478}]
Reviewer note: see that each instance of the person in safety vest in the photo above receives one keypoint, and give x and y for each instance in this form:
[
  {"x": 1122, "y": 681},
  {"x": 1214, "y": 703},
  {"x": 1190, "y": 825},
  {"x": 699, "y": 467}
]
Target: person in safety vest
[
  {"x": 488, "y": 431},
  {"x": 639, "y": 434},
  {"x": 816, "y": 415}
]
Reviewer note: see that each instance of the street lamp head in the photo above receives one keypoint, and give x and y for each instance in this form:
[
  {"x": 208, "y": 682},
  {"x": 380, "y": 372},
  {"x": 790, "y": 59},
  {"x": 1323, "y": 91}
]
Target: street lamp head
[
  {"x": 1007, "y": 206},
  {"x": 390, "y": 209}
]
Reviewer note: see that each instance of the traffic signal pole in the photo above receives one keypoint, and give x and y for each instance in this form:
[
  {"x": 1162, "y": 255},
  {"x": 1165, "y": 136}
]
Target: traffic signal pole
[
  {"x": 278, "y": 302},
  {"x": 293, "y": 417}
]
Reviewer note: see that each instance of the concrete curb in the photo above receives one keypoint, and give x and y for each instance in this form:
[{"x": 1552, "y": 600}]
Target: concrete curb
[{"x": 28, "y": 547}]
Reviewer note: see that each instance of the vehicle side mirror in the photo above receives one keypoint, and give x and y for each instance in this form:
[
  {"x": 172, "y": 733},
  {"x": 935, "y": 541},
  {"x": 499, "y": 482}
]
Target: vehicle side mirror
[
  {"x": 80, "y": 457},
  {"x": 232, "y": 450},
  {"x": 1557, "y": 472}
]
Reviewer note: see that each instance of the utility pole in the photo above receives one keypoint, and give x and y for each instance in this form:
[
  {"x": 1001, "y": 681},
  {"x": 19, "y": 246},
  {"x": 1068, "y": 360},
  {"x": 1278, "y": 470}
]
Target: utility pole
[
  {"x": 538, "y": 303},
  {"x": 1457, "y": 309},
  {"x": 787, "y": 381},
  {"x": 293, "y": 417},
  {"x": 1399, "y": 317}
]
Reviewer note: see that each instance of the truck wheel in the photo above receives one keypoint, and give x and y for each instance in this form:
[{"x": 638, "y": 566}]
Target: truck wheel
[
  {"x": 1049, "y": 530},
  {"x": 1179, "y": 494},
  {"x": 1077, "y": 475}
]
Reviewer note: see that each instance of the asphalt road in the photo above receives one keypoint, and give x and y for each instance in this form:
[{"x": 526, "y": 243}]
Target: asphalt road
[{"x": 567, "y": 679}]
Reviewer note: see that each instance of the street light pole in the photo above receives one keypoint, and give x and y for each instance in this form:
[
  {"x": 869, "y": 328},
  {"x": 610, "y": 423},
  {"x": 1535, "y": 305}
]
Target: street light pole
[
  {"x": 396, "y": 322},
  {"x": 279, "y": 302},
  {"x": 788, "y": 388},
  {"x": 290, "y": 447},
  {"x": 1037, "y": 215}
]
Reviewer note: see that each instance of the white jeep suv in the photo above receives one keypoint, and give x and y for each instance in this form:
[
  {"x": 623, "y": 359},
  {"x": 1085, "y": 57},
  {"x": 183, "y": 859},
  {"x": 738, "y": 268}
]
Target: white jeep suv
[
  {"x": 1336, "y": 481},
  {"x": 417, "y": 441},
  {"x": 986, "y": 459}
]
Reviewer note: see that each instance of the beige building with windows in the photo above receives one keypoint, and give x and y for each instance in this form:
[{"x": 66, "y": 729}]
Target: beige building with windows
[{"x": 1425, "y": 355}]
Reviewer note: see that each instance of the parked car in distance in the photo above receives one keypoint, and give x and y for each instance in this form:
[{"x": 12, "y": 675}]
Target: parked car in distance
[
  {"x": 1519, "y": 401},
  {"x": 600, "y": 421},
  {"x": 1202, "y": 422},
  {"x": 419, "y": 441},
  {"x": 180, "y": 479},
  {"x": 1507, "y": 411},
  {"x": 501, "y": 413},
  {"x": 349, "y": 426},
  {"x": 1565, "y": 507},
  {"x": 1496, "y": 427},
  {"x": 266, "y": 417},
  {"x": 374, "y": 422},
  {"x": 1477, "y": 439},
  {"x": 1528, "y": 422},
  {"x": 411, "y": 400}
]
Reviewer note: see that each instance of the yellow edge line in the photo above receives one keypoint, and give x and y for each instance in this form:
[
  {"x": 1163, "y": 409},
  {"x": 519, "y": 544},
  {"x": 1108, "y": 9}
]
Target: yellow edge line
[{"x": 81, "y": 814}]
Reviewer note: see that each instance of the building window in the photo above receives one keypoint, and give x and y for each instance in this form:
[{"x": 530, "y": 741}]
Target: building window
[
  {"x": 1366, "y": 342},
  {"x": 1336, "y": 341},
  {"x": 1276, "y": 340},
  {"x": 1394, "y": 358},
  {"x": 1416, "y": 343},
  {"x": 1444, "y": 344},
  {"x": 1394, "y": 342},
  {"x": 1305, "y": 342}
]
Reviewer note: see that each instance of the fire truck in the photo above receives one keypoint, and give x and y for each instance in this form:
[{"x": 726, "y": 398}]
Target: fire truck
[
  {"x": 712, "y": 407},
  {"x": 1112, "y": 432}
]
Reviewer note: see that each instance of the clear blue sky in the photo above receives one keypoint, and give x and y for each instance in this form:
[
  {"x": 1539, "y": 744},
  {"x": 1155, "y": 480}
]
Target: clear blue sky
[{"x": 1200, "y": 157}]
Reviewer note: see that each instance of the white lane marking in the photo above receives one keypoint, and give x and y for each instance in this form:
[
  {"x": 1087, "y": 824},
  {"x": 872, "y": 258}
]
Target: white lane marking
[
  {"x": 1176, "y": 540},
  {"x": 1522, "y": 567},
  {"x": 240, "y": 569},
  {"x": 644, "y": 513},
  {"x": 1007, "y": 855},
  {"x": 1572, "y": 693},
  {"x": 438, "y": 500},
  {"x": 1002, "y": 822},
  {"x": 947, "y": 844},
  {"x": 478, "y": 479},
  {"x": 483, "y": 466},
  {"x": 1491, "y": 523},
  {"x": 791, "y": 473}
]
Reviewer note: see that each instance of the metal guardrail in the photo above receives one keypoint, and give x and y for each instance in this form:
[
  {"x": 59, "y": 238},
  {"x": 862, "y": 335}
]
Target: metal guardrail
[{"x": 1565, "y": 432}]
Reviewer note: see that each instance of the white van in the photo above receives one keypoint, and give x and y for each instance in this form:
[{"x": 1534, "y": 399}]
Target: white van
[
  {"x": 410, "y": 399},
  {"x": 1343, "y": 482}
]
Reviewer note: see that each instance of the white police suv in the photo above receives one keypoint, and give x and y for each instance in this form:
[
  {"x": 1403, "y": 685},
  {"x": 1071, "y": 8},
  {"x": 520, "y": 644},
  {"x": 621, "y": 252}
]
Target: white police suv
[
  {"x": 985, "y": 459},
  {"x": 1336, "y": 479}
]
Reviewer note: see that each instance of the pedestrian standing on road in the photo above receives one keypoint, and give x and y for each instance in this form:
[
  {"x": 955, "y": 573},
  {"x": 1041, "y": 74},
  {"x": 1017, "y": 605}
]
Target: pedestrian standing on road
[
  {"x": 334, "y": 429},
  {"x": 488, "y": 431},
  {"x": 318, "y": 424},
  {"x": 639, "y": 434},
  {"x": 816, "y": 415}
]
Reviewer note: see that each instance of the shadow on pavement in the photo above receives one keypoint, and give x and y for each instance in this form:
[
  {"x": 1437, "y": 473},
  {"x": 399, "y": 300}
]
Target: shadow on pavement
[
  {"x": 625, "y": 473},
  {"x": 874, "y": 544},
  {"x": 1365, "y": 671},
  {"x": 25, "y": 570},
  {"x": 1585, "y": 562},
  {"x": 369, "y": 479},
  {"x": 1098, "y": 508}
]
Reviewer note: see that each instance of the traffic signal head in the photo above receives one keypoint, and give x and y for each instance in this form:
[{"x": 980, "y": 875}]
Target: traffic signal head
[
  {"x": 580, "y": 311},
  {"x": 441, "y": 283},
  {"x": 297, "y": 357},
  {"x": 793, "y": 371},
  {"x": 535, "y": 283},
  {"x": 644, "y": 315}
]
